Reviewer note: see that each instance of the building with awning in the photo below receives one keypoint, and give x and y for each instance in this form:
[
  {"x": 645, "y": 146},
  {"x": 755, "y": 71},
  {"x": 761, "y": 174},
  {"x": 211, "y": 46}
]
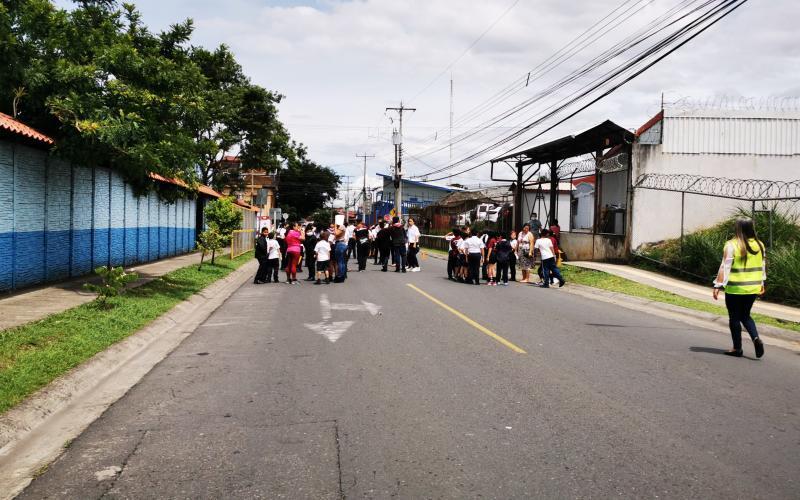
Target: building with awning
[{"x": 604, "y": 152}]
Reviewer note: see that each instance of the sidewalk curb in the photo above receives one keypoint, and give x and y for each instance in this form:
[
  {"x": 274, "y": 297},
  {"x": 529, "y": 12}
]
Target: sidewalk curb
[
  {"x": 34, "y": 433},
  {"x": 779, "y": 336}
]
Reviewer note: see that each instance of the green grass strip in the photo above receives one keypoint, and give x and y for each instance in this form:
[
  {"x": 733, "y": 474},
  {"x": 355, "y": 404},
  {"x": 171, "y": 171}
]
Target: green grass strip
[
  {"x": 33, "y": 355},
  {"x": 606, "y": 281}
]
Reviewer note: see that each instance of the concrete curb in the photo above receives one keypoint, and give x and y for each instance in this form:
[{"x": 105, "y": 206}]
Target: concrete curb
[
  {"x": 34, "y": 433},
  {"x": 772, "y": 335}
]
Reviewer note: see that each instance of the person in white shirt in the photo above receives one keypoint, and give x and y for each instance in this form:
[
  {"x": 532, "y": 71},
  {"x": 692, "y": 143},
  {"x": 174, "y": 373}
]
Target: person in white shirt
[
  {"x": 546, "y": 249},
  {"x": 273, "y": 258},
  {"x": 412, "y": 238},
  {"x": 350, "y": 239},
  {"x": 473, "y": 248},
  {"x": 322, "y": 254}
]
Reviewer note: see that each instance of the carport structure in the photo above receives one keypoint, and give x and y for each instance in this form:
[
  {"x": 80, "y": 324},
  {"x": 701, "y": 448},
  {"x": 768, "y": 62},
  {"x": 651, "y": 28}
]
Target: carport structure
[{"x": 603, "y": 151}]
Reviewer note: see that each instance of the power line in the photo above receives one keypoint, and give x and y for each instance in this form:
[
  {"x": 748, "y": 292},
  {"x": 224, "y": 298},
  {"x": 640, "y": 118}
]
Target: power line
[
  {"x": 721, "y": 11},
  {"x": 473, "y": 44}
]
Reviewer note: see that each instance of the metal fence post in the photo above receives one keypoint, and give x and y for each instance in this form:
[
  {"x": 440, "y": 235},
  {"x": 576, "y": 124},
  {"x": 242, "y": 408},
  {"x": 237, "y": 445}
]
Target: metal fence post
[{"x": 683, "y": 207}]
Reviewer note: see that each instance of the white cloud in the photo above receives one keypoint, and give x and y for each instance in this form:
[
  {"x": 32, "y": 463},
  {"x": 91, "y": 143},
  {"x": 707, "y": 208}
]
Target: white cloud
[{"x": 340, "y": 63}]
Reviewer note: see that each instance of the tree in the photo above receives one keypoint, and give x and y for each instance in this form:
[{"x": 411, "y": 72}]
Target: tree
[
  {"x": 304, "y": 186},
  {"x": 111, "y": 92},
  {"x": 114, "y": 94},
  {"x": 223, "y": 216},
  {"x": 238, "y": 117}
]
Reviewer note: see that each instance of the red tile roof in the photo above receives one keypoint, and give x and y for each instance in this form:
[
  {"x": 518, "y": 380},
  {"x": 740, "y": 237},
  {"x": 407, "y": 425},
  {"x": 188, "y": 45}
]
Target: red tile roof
[
  {"x": 17, "y": 127},
  {"x": 652, "y": 121},
  {"x": 168, "y": 180},
  {"x": 202, "y": 188}
]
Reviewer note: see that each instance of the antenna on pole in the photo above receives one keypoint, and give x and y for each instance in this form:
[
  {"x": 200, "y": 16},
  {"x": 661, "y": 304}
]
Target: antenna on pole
[{"x": 450, "y": 170}]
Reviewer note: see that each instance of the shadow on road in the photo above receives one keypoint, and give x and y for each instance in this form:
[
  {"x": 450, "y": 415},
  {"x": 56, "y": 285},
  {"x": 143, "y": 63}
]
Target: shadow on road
[{"x": 714, "y": 350}]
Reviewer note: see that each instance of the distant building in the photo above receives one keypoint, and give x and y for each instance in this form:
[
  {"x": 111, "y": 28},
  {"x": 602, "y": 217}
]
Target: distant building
[
  {"x": 416, "y": 196},
  {"x": 257, "y": 189}
]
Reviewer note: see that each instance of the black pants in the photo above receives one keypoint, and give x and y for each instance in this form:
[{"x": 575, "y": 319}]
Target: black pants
[
  {"x": 362, "y": 251},
  {"x": 451, "y": 264},
  {"x": 263, "y": 269},
  {"x": 512, "y": 265},
  {"x": 413, "y": 250},
  {"x": 474, "y": 263},
  {"x": 502, "y": 272},
  {"x": 375, "y": 252},
  {"x": 351, "y": 246},
  {"x": 399, "y": 256},
  {"x": 550, "y": 271},
  {"x": 272, "y": 269},
  {"x": 311, "y": 262},
  {"x": 484, "y": 272},
  {"x": 384, "y": 256},
  {"x": 739, "y": 307}
]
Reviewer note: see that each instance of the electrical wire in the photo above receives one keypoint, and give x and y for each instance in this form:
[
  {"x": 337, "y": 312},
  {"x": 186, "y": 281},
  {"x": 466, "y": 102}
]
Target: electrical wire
[
  {"x": 721, "y": 11},
  {"x": 609, "y": 54}
]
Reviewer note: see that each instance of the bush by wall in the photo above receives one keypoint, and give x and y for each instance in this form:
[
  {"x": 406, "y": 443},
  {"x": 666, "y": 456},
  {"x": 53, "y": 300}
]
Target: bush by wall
[{"x": 702, "y": 252}]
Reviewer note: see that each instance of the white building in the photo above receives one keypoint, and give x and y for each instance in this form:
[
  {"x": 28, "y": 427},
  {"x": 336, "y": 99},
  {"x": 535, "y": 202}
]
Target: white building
[{"x": 763, "y": 145}]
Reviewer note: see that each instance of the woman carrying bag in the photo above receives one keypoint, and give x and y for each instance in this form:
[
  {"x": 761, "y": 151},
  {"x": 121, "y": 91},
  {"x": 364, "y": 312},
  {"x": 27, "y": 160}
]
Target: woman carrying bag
[
  {"x": 525, "y": 242},
  {"x": 742, "y": 274}
]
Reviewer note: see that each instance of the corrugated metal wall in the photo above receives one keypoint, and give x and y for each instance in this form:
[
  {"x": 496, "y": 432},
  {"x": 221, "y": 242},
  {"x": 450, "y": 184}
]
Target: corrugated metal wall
[
  {"x": 59, "y": 220},
  {"x": 731, "y": 135}
]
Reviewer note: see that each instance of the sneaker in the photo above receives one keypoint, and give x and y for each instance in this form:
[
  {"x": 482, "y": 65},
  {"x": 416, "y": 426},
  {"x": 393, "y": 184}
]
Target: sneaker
[
  {"x": 505, "y": 283},
  {"x": 318, "y": 282},
  {"x": 416, "y": 269},
  {"x": 562, "y": 283}
]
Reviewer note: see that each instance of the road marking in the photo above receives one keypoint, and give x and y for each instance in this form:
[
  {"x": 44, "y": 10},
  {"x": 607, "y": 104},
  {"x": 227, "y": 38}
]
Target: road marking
[
  {"x": 469, "y": 321},
  {"x": 333, "y": 330}
]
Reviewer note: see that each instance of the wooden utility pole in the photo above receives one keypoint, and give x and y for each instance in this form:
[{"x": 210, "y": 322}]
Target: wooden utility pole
[
  {"x": 398, "y": 172},
  {"x": 364, "y": 189}
]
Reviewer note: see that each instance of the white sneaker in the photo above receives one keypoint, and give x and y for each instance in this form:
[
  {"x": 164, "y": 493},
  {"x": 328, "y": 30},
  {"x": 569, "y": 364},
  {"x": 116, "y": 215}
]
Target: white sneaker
[{"x": 415, "y": 270}]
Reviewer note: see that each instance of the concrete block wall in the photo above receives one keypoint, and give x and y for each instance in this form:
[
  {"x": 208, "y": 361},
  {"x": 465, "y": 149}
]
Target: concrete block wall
[{"x": 59, "y": 221}]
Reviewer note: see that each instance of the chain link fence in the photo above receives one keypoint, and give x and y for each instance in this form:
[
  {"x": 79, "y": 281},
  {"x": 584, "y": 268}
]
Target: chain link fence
[{"x": 700, "y": 211}]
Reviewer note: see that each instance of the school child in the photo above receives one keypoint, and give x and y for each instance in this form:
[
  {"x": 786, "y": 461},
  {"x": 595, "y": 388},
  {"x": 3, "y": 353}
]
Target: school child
[{"x": 322, "y": 255}]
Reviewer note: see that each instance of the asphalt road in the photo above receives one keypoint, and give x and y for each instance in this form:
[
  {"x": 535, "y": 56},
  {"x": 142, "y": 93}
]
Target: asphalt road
[{"x": 416, "y": 402}]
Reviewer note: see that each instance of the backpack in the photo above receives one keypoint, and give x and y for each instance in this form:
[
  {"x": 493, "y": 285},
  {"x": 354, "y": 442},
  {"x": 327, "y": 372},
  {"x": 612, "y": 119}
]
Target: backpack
[{"x": 503, "y": 251}]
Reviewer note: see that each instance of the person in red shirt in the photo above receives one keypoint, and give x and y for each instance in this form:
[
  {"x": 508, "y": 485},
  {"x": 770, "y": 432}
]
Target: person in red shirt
[
  {"x": 294, "y": 248},
  {"x": 555, "y": 230},
  {"x": 492, "y": 259}
]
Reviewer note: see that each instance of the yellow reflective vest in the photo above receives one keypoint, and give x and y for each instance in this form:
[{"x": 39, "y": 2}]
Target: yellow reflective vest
[{"x": 747, "y": 276}]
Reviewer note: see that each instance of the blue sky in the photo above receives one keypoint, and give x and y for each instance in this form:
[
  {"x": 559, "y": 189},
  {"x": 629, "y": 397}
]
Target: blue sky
[{"x": 340, "y": 63}]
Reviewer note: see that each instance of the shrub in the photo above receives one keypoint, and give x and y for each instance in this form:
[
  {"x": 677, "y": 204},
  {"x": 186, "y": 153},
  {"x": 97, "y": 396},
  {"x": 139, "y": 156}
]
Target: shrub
[
  {"x": 702, "y": 251},
  {"x": 113, "y": 282}
]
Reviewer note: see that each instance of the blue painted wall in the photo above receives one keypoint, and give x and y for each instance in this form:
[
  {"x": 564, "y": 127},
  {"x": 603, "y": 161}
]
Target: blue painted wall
[{"x": 59, "y": 221}]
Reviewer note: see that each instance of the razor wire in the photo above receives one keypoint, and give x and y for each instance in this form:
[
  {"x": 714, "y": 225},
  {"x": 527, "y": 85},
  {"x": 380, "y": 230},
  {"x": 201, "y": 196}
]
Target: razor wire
[{"x": 721, "y": 187}]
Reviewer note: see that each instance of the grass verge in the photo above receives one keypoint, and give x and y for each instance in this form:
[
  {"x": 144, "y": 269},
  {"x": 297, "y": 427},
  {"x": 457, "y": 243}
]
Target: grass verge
[
  {"x": 33, "y": 355},
  {"x": 605, "y": 281}
]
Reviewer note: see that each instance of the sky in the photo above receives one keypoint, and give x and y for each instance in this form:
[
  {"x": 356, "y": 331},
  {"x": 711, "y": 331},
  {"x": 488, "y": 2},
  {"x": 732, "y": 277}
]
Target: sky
[{"x": 339, "y": 64}]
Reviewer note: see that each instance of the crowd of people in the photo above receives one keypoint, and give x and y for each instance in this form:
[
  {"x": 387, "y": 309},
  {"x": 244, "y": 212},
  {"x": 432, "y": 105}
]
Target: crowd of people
[
  {"x": 326, "y": 250},
  {"x": 494, "y": 257}
]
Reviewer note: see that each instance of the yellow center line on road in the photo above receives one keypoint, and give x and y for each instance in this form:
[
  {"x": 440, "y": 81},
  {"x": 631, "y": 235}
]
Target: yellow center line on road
[{"x": 469, "y": 321}]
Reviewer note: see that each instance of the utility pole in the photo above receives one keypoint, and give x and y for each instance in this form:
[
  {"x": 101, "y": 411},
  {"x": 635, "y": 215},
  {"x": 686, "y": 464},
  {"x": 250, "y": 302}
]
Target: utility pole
[
  {"x": 398, "y": 172},
  {"x": 450, "y": 170},
  {"x": 346, "y": 199},
  {"x": 364, "y": 189}
]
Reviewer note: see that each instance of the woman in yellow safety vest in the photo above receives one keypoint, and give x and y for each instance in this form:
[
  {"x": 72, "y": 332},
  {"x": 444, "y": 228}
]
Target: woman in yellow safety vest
[{"x": 742, "y": 275}]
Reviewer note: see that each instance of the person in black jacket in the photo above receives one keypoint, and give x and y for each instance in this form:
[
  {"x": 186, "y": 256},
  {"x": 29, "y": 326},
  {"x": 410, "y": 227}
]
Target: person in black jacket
[
  {"x": 398, "y": 245},
  {"x": 261, "y": 254},
  {"x": 384, "y": 243},
  {"x": 362, "y": 245},
  {"x": 309, "y": 243}
]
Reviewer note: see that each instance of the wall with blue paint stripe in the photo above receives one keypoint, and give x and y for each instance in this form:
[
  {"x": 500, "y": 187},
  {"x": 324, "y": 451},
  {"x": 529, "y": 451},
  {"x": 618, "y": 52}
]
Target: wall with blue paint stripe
[{"x": 59, "y": 221}]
